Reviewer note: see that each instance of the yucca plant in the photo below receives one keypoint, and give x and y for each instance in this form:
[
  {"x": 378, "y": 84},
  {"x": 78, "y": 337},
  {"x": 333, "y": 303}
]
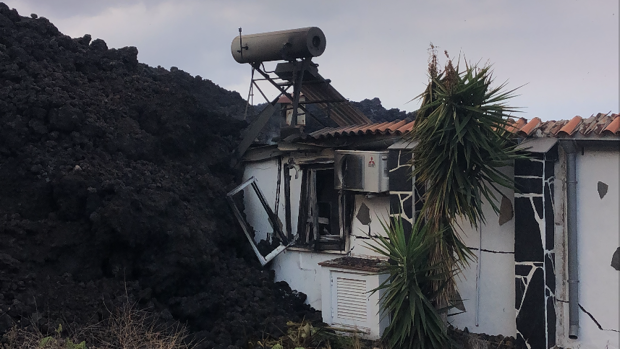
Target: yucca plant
[
  {"x": 461, "y": 130},
  {"x": 410, "y": 293},
  {"x": 463, "y": 141}
]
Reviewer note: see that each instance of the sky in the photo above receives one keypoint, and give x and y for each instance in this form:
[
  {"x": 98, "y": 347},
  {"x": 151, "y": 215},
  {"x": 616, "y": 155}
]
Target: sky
[{"x": 562, "y": 54}]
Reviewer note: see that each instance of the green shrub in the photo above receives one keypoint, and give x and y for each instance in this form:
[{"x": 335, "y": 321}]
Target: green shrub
[{"x": 409, "y": 295}]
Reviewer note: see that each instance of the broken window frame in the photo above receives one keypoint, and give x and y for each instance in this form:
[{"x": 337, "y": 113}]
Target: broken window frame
[
  {"x": 247, "y": 228},
  {"x": 308, "y": 235}
]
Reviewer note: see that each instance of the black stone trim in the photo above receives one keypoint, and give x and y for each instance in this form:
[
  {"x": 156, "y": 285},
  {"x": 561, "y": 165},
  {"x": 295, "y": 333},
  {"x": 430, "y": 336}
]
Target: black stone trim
[
  {"x": 535, "y": 298},
  {"x": 528, "y": 168},
  {"x": 528, "y": 246},
  {"x": 531, "y": 185}
]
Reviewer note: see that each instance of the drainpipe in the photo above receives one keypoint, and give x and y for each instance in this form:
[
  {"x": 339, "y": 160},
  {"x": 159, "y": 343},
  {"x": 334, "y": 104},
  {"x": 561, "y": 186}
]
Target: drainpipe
[{"x": 571, "y": 222}]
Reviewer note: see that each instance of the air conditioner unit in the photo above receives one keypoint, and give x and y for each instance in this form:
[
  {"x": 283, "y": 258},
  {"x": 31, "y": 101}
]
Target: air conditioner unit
[
  {"x": 347, "y": 298},
  {"x": 365, "y": 171}
]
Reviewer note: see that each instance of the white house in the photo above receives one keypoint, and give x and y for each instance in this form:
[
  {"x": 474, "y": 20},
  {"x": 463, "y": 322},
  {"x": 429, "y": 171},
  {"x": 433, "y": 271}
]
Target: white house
[{"x": 323, "y": 194}]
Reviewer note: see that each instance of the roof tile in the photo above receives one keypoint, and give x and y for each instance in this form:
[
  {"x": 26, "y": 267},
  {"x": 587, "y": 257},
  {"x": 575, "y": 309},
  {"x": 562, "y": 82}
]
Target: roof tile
[
  {"x": 529, "y": 127},
  {"x": 614, "y": 126},
  {"x": 592, "y": 127},
  {"x": 571, "y": 126}
]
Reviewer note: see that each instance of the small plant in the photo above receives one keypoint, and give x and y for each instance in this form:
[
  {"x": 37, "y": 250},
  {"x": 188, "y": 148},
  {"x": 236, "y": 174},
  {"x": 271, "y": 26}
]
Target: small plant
[
  {"x": 56, "y": 342},
  {"x": 126, "y": 327},
  {"x": 409, "y": 297},
  {"x": 304, "y": 335}
]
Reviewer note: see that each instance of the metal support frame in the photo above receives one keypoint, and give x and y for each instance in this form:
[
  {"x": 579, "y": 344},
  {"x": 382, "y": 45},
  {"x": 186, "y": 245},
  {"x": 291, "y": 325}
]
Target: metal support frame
[
  {"x": 267, "y": 112},
  {"x": 297, "y": 82}
]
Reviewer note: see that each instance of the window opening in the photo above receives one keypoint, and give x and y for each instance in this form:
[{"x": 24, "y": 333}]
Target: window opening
[
  {"x": 324, "y": 219},
  {"x": 325, "y": 212}
]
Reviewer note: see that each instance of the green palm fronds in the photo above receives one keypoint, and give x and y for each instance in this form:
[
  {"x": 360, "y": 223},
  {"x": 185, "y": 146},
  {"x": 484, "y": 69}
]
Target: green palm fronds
[
  {"x": 462, "y": 143},
  {"x": 409, "y": 297},
  {"x": 462, "y": 136}
]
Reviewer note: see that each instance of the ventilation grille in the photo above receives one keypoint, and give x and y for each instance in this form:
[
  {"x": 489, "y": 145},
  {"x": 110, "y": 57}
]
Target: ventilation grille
[{"x": 351, "y": 299}]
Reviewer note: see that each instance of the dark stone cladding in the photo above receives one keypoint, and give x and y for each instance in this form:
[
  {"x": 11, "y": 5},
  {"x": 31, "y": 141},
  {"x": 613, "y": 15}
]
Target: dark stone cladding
[
  {"x": 401, "y": 186},
  {"x": 529, "y": 185},
  {"x": 528, "y": 246},
  {"x": 528, "y": 168},
  {"x": 400, "y": 171},
  {"x": 534, "y": 248}
]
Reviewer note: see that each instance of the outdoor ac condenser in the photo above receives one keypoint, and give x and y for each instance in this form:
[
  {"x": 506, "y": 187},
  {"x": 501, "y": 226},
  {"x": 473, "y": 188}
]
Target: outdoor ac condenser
[
  {"x": 347, "y": 298},
  {"x": 365, "y": 171}
]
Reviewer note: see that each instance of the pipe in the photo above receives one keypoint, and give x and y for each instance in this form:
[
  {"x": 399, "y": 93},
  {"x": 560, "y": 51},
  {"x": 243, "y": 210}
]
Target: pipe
[
  {"x": 571, "y": 222},
  {"x": 478, "y": 272}
]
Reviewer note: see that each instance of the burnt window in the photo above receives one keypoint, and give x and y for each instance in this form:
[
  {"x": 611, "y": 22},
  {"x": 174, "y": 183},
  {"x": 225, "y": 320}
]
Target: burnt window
[
  {"x": 324, "y": 220},
  {"x": 324, "y": 212}
]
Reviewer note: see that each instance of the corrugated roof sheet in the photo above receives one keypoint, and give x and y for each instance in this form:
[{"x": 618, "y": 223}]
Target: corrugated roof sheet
[
  {"x": 596, "y": 126},
  {"x": 318, "y": 90},
  {"x": 333, "y": 103}
]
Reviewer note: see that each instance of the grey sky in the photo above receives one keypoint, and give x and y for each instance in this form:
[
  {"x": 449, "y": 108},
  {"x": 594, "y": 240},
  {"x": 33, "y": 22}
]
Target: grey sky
[{"x": 564, "y": 52}]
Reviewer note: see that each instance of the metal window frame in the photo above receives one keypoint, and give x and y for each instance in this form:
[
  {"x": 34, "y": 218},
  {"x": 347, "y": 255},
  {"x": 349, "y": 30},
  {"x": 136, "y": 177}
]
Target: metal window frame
[{"x": 247, "y": 229}]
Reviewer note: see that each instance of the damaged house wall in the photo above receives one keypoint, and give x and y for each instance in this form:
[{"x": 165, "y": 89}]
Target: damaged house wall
[
  {"x": 299, "y": 268},
  {"x": 518, "y": 285},
  {"x": 487, "y": 286},
  {"x": 598, "y": 231},
  {"x": 377, "y": 209},
  {"x": 298, "y": 265}
]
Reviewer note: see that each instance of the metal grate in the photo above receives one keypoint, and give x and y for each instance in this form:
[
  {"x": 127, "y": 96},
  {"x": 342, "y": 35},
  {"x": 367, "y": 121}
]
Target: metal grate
[{"x": 351, "y": 298}]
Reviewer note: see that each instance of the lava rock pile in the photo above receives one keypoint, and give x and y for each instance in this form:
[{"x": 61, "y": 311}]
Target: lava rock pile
[{"x": 113, "y": 177}]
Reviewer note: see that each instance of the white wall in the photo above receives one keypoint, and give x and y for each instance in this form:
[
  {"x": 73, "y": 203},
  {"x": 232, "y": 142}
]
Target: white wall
[
  {"x": 598, "y": 230},
  {"x": 487, "y": 285},
  {"x": 266, "y": 174},
  {"x": 299, "y": 267},
  {"x": 493, "y": 310},
  {"x": 379, "y": 207},
  {"x": 301, "y": 270}
]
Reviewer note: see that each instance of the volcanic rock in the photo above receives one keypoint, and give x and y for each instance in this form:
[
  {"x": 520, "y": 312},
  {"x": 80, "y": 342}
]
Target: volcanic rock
[{"x": 113, "y": 177}]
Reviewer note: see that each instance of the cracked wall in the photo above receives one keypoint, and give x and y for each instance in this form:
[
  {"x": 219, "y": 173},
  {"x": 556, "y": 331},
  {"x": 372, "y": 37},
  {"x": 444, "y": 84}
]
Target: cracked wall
[
  {"x": 534, "y": 251},
  {"x": 486, "y": 286}
]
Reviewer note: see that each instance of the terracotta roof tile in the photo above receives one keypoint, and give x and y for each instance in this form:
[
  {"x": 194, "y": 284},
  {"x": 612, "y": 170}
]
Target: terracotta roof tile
[
  {"x": 515, "y": 126},
  {"x": 614, "y": 126},
  {"x": 571, "y": 126},
  {"x": 389, "y": 127},
  {"x": 595, "y": 126},
  {"x": 529, "y": 127},
  {"x": 406, "y": 127}
]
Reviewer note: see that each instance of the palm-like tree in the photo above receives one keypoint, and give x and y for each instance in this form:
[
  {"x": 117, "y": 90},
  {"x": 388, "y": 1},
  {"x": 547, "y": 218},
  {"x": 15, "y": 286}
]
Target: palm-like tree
[{"x": 462, "y": 141}]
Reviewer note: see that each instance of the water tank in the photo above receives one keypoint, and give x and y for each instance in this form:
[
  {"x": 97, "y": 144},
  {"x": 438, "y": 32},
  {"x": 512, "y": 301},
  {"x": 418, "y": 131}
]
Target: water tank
[{"x": 284, "y": 45}]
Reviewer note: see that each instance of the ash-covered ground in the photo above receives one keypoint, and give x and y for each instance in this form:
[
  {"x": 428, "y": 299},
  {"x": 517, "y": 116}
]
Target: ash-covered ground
[{"x": 113, "y": 177}]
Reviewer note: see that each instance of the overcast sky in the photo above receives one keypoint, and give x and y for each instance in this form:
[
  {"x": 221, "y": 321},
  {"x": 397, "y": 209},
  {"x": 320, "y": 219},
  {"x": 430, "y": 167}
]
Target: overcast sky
[{"x": 563, "y": 52}]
